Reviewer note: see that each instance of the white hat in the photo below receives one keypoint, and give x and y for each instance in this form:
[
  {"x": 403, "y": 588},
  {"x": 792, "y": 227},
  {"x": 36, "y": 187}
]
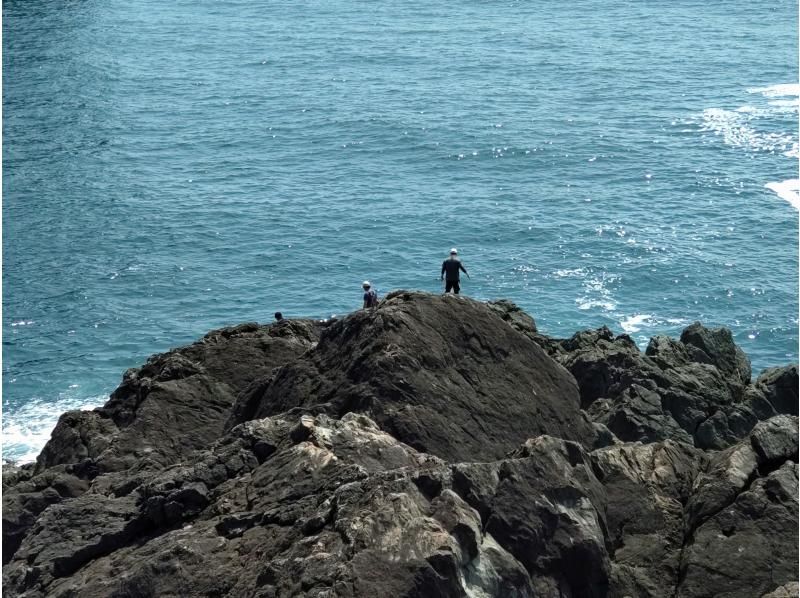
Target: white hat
[
  {"x": 366, "y": 284},
  {"x": 453, "y": 250}
]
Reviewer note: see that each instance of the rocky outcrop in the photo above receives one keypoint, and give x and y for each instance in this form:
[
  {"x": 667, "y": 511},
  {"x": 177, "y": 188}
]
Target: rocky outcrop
[
  {"x": 696, "y": 390},
  {"x": 433, "y": 446},
  {"x": 176, "y": 403},
  {"x": 364, "y": 514},
  {"x": 462, "y": 387},
  {"x": 192, "y": 390},
  {"x": 778, "y": 386},
  {"x": 647, "y": 487},
  {"x": 744, "y": 503},
  {"x": 684, "y": 522}
]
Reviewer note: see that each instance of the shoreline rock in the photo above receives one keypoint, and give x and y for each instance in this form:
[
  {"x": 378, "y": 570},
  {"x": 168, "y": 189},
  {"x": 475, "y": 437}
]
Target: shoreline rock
[{"x": 433, "y": 446}]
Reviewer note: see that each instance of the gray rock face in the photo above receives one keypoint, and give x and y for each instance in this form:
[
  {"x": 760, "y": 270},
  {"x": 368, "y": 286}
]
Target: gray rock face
[
  {"x": 193, "y": 389},
  {"x": 779, "y": 386},
  {"x": 715, "y": 346},
  {"x": 175, "y": 404},
  {"x": 364, "y": 514},
  {"x": 647, "y": 486},
  {"x": 790, "y": 590},
  {"x": 745, "y": 503},
  {"x": 432, "y": 447},
  {"x": 445, "y": 375},
  {"x": 697, "y": 389}
]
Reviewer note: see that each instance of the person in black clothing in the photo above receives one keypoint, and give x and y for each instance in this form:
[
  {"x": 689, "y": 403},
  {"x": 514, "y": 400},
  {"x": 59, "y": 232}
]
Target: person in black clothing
[
  {"x": 278, "y": 316},
  {"x": 451, "y": 272}
]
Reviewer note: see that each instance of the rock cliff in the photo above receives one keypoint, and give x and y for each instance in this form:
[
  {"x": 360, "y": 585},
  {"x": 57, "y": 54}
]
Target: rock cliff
[{"x": 431, "y": 447}]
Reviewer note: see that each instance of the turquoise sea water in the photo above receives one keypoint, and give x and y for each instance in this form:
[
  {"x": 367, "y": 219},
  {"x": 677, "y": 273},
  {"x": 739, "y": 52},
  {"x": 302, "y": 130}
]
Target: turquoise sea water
[{"x": 174, "y": 167}]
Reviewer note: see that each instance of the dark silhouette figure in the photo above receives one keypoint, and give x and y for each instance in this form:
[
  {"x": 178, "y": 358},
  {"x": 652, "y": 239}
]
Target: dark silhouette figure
[{"x": 451, "y": 272}]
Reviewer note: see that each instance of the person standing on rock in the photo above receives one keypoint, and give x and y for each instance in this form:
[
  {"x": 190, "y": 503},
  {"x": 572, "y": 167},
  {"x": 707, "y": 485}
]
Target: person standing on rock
[
  {"x": 451, "y": 272},
  {"x": 370, "y": 295}
]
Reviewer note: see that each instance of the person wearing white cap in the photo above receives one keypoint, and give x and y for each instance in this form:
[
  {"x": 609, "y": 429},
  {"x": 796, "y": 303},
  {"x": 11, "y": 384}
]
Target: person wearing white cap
[
  {"x": 370, "y": 295},
  {"x": 451, "y": 272}
]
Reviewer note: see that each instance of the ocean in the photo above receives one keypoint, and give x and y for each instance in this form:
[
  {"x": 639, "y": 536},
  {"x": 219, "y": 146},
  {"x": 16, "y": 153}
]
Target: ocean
[{"x": 174, "y": 167}]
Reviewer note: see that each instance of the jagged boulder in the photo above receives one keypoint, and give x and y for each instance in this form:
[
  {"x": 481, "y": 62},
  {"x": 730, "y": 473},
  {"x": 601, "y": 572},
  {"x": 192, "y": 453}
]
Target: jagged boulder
[
  {"x": 78, "y": 435},
  {"x": 363, "y": 515},
  {"x": 696, "y": 389},
  {"x": 686, "y": 523},
  {"x": 760, "y": 523},
  {"x": 179, "y": 402},
  {"x": 23, "y": 502},
  {"x": 175, "y": 404},
  {"x": 647, "y": 486},
  {"x": 70, "y": 534},
  {"x": 745, "y": 503},
  {"x": 779, "y": 386},
  {"x": 638, "y": 414},
  {"x": 444, "y": 374},
  {"x": 716, "y": 346},
  {"x": 603, "y": 365},
  {"x": 789, "y": 590}
]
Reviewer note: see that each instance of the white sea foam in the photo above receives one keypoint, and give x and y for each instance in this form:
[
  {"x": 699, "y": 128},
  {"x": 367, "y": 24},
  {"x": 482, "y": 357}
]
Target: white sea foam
[
  {"x": 676, "y": 321},
  {"x": 634, "y": 323},
  {"x": 29, "y": 428},
  {"x": 597, "y": 295},
  {"x": 752, "y": 126},
  {"x": 736, "y": 129},
  {"x": 788, "y": 190},
  {"x": 525, "y": 269},
  {"x": 569, "y": 273},
  {"x": 777, "y": 91},
  {"x": 792, "y": 104},
  {"x": 585, "y": 303}
]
